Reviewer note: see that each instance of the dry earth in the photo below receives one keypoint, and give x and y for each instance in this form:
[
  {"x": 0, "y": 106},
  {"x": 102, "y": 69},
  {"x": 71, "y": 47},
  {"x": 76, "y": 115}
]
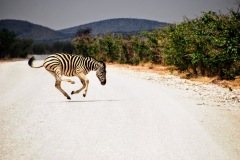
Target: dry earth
[{"x": 170, "y": 70}]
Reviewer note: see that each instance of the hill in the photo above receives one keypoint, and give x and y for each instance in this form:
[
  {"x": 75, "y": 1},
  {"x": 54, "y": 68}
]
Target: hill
[
  {"x": 38, "y": 33},
  {"x": 27, "y": 30},
  {"x": 120, "y": 25}
]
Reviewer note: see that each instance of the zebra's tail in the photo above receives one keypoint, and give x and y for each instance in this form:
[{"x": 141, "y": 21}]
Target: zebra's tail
[{"x": 30, "y": 63}]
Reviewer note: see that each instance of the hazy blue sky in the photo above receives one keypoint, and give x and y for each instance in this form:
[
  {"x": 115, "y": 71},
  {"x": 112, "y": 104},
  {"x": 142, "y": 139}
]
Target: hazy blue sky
[{"x": 60, "y": 14}]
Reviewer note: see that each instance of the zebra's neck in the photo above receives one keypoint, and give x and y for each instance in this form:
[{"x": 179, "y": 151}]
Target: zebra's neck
[{"x": 92, "y": 64}]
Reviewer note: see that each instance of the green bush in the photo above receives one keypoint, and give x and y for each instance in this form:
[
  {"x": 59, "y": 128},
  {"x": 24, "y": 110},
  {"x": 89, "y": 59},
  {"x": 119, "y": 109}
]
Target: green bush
[{"x": 208, "y": 45}]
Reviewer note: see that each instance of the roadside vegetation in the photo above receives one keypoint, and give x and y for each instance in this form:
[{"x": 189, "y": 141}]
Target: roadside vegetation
[
  {"x": 11, "y": 46},
  {"x": 208, "y": 46}
]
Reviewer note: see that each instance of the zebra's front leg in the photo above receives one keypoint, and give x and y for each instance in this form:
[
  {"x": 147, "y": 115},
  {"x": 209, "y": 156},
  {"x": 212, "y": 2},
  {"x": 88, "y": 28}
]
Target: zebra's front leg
[
  {"x": 85, "y": 83},
  {"x": 78, "y": 91},
  {"x": 68, "y": 80}
]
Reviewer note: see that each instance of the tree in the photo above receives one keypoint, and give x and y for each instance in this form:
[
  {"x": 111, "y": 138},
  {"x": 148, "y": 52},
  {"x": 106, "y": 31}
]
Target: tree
[
  {"x": 7, "y": 38},
  {"x": 62, "y": 47},
  {"x": 39, "y": 49},
  {"x": 21, "y": 48},
  {"x": 81, "y": 32}
]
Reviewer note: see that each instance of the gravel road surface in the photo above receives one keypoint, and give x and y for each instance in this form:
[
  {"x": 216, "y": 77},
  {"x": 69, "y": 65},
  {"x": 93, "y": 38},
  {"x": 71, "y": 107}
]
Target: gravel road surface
[{"x": 135, "y": 116}]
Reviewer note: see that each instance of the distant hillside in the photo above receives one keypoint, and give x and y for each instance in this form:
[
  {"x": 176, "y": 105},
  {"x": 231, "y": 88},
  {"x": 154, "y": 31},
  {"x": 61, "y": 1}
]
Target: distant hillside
[
  {"x": 120, "y": 25},
  {"x": 38, "y": 33},
  {"x": 27, "y": 30}
]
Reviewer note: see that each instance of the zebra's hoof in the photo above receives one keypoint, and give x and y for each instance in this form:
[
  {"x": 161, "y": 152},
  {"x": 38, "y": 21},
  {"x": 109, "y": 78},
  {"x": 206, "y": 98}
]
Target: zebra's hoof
[
  {"x": 69, "y": 98},
  {"x": 72, "y": 92},
  {"x": 84, "y": 95}
]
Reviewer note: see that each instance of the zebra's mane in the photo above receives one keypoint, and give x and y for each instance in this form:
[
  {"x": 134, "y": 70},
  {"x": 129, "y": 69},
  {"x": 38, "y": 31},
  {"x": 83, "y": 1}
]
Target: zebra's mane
[
  {"x": 102, "y": 62},
  {"x": 104, "y": 65}
]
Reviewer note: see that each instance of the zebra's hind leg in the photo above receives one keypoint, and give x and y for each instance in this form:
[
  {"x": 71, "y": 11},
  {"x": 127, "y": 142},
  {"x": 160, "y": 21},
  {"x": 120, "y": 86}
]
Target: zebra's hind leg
[
  {"x": 85, "y": 92},
  {"x": 58, "y": 78},
  {"x": 58, "y": 86}
]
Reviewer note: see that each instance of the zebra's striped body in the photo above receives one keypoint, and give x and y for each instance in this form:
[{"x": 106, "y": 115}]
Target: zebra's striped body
[{"x": 72, "y": 65}]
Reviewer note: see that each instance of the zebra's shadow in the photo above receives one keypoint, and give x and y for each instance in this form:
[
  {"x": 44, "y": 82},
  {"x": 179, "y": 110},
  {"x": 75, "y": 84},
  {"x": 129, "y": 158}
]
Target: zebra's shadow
[{"x": 92, "y": 101}]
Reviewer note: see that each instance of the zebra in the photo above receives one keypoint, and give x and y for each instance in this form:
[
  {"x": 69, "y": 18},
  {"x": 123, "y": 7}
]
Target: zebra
[{"x": 72, "y": 65}]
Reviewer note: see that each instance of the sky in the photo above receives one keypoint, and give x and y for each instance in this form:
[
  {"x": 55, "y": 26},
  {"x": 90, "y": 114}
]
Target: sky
[{"x": 61, "y": 14}]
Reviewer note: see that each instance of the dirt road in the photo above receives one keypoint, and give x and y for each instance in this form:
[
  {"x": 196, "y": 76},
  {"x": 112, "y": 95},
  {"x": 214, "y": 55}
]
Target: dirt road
[{"x": 127, "y": 119}]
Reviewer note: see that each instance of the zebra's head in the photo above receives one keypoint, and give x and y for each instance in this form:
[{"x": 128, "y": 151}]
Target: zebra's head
[{"x": 101, "y": 72}]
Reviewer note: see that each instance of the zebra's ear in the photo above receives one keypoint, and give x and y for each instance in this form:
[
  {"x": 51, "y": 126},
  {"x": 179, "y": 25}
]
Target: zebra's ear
[{"x": 104, "y": 65}]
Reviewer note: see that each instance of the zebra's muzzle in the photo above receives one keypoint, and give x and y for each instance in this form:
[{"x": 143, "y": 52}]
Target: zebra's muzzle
[{"x": 103, "y": 83}]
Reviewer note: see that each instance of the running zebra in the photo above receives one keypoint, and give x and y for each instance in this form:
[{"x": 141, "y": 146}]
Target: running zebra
[{"x": 72, "y": 65}]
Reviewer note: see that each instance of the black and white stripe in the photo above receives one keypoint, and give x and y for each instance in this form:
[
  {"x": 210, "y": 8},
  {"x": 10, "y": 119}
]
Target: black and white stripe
[{"x": 72, "y": 65}]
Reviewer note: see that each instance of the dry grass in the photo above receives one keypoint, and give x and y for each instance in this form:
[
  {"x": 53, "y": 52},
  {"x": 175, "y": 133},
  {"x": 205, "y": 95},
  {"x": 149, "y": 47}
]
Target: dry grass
[{"x": 161, "y": 69}]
